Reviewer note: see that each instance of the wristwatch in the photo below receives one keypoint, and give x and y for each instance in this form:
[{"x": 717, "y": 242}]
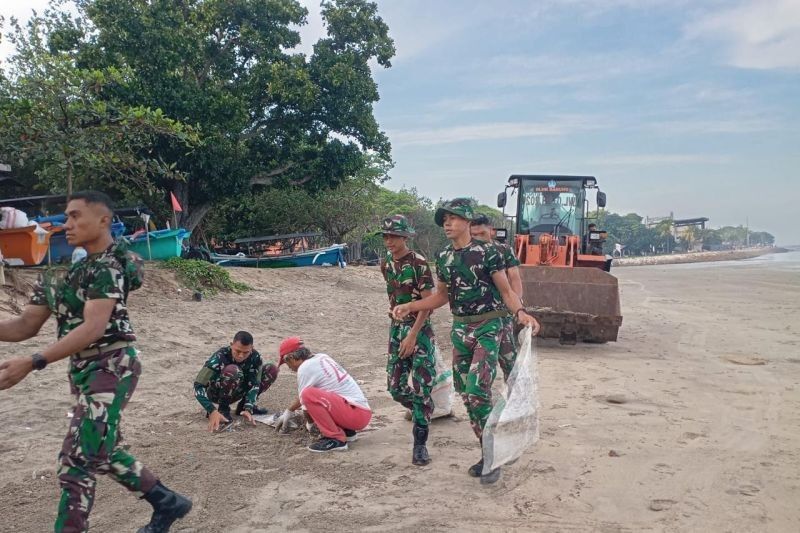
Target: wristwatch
[{"x": 38, "y": 361}]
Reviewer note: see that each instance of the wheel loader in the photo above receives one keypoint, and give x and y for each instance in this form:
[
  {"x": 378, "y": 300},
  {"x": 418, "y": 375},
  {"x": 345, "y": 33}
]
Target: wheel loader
[{"x": 565, "y": 276}]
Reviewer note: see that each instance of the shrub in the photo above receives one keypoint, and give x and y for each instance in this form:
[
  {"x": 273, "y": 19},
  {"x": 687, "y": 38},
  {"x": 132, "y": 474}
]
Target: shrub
[{"x": 204, "y": 277}]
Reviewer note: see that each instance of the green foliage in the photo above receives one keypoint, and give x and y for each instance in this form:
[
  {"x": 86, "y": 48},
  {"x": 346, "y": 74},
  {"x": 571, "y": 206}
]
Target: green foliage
[
  {"x": 639, "y": 239},
  {"x": 60, "y": 131},
  {"x": 204, "y": 277},
  {"x": 266, "y": 116}
]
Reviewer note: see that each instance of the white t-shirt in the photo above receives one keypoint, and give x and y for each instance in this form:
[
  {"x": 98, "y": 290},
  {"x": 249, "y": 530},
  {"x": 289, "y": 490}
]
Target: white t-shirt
[{"x": 321, "y": 371}]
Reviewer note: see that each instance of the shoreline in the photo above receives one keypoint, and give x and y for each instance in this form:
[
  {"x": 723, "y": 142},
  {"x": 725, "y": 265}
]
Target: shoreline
[{"x": 697, "y": 257}]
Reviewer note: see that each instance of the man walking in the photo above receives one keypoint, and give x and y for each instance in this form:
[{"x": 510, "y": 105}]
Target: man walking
[
  {"x": 481, "y": 229},
  {"x": 233, "y": 373},
  {"x": 471, "y": 278},
  {"x": 94, "y": 330},
  {"x": 411, "y": 343}
]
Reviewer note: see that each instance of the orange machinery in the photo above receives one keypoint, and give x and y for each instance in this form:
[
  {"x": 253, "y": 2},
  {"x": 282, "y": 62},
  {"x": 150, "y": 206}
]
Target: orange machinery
[{"x": 565, "y": 278}]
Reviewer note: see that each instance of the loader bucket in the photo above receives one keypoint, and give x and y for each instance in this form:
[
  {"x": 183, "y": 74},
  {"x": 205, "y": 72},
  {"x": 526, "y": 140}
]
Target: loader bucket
[{"x": 573, "y": 304}]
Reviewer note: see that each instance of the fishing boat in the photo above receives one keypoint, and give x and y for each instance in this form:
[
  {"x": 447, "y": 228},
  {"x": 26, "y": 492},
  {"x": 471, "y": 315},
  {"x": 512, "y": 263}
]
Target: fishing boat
[
  {"x": 158, "y": 245},
  {"x": 327, "y": 256}
]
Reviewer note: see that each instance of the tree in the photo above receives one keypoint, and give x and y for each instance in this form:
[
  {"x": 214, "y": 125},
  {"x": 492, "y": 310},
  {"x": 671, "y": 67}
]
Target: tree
[
  {"x": 266, "y": 116},
  {"x": 58, "y": 129},
  {"x": 762, "y": 238}
]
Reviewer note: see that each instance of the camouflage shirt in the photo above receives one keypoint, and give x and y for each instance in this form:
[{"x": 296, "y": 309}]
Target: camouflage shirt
[
  {"x": 252, "y": 369},
  {"x": 406, "y": 278},
  {"x": 111, "y": 274},
  {"x": 467, "y": 272},
  {"x": 509, "y": 258}
]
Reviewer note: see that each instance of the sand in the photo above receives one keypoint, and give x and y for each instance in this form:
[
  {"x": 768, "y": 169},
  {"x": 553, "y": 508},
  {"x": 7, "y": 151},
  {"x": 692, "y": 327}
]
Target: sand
[{"x": 691, "y": 422}]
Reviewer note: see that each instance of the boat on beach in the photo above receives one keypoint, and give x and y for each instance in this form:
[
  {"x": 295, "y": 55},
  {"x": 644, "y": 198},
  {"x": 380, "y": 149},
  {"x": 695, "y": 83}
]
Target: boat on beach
[{"x": 327, "y": 256}]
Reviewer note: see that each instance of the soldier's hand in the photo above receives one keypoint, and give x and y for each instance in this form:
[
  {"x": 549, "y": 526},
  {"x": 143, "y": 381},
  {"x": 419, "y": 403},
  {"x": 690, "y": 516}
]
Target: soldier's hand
[
  {"x": 407, "y": 346},
  {"x": 528, "y": 320},
  {"x": 214, "y": 420},
  {"x": 247, "y": 415},
  {"x": 14, "y": 370},
  {"x": 401, "y": 311}
]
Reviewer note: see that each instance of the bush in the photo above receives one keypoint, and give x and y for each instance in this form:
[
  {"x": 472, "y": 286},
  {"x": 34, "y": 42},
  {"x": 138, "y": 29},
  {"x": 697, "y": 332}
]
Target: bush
[{"x": 204, "y": 277}]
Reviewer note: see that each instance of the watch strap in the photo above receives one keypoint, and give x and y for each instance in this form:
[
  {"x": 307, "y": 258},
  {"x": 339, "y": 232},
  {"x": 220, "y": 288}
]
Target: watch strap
[{"x": 38, "y": 361}]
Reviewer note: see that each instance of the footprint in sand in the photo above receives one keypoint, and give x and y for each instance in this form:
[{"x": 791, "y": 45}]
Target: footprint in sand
[
  {"x": 748, "y": 360},
  {"x": 661, "y": 505},
  {"x": 744, "y": 490}
]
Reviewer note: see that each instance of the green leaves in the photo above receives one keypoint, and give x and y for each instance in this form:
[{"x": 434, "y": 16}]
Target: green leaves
[
  {"x": 206, "y": 99},
  {"x": 204, "y": 277},
  {"x": 58, "y": 129}
]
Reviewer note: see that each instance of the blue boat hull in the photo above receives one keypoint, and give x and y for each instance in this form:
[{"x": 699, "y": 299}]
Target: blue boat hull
[{"x": 329, "y": 256}]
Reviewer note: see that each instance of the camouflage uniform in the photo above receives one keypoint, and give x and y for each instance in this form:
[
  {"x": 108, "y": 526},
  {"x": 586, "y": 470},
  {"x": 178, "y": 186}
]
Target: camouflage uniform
[
  {"x": 102, "y": 384},
  {"x": 508, "y": 343},
  {"x": 224, "y": 381},
  {"x": 477, "y": 310},
  {"x": 406, "y": 278}
]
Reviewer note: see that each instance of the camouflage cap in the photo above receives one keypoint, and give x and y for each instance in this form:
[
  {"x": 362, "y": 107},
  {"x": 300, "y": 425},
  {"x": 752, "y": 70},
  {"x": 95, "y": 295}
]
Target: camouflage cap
[
  {"x": 461, "y": 207},
  {"x": 397, "y": 225}
]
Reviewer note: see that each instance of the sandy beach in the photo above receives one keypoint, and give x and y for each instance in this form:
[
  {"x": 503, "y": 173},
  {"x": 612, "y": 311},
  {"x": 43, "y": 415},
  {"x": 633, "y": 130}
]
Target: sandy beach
[{"x": 691, "y": 422}]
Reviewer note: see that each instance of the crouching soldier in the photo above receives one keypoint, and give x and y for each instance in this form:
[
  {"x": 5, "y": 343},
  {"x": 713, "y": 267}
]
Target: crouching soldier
[{"x": 233, "y": 373}]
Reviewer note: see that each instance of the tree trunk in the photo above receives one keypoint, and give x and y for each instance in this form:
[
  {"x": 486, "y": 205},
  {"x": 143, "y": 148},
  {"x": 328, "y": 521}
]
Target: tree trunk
[
  {"x": 69, "y": 177},
  {"x": 189, "y": 218}
]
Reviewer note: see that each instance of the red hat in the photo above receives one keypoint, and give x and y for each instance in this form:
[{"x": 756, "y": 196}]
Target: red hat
[{"x": 289, "y": 345}]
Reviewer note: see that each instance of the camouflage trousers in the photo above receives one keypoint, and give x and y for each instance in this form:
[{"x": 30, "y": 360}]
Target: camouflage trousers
[
  {"x": 475, "y": 353},
  {"x": 230, "y": 387},
  {"x": 102, "y": 385},
  {"x": 508, "y": 347},
  {"x": 421, "y": 365}
]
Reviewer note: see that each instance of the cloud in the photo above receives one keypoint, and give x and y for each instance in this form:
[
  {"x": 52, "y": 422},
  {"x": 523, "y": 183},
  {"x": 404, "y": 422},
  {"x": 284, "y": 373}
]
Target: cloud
[
  {"x": 460, "y": 105},
  {"x": 495, "y": 130},
  {"x": 647, "y": 160},
  {"x": 707, "y": 126},
  {"x": 555, "y": 70},
  {"x": 758, "y": 34}
]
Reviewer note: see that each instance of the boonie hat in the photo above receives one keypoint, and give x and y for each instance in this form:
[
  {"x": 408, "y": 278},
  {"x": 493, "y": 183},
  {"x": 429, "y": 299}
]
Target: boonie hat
[
  {"x": 461, "y": 207},
  {"x": 397, "y": 225}
]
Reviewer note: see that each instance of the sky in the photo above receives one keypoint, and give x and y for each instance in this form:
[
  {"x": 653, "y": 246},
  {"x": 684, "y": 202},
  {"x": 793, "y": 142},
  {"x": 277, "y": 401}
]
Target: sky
[{"x": 676, "y": 106}]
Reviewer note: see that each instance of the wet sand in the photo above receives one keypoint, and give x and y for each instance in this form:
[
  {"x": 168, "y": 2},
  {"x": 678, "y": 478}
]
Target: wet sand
[{"x": 691, "y": 422}]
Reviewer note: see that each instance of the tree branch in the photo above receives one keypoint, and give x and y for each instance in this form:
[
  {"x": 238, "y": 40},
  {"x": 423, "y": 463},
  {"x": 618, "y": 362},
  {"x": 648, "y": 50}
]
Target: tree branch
[{"x": 267, "y": 178}]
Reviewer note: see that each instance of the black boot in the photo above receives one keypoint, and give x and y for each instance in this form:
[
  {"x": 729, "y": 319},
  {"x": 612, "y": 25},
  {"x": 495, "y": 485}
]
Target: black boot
[
  {"x": 225, "y": 410},
  {"x": 420, "y": 456},
  {"x": 491, "y": 477},
  {"x": 168, "y": 506},
  {"x": 476, "y": 469}
]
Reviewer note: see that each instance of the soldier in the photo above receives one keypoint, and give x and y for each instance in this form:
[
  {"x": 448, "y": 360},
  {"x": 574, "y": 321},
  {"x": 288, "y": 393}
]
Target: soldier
[
  {"x": 90, "y": 305},
  {"x": 411, "y": 343},
  {"x": 233, "y": 373},
  {"x": 471, "y": 277},
  {"x": 481, "y": 229}
]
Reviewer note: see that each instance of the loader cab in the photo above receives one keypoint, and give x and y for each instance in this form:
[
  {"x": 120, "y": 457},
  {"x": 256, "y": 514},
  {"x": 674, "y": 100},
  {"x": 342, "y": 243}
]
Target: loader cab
[{"x": 554, "y": 205}]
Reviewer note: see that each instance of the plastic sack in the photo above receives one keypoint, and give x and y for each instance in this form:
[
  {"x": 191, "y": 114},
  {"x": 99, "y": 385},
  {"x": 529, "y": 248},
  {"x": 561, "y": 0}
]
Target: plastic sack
[
  {"x": 442, "y": 391},
  {"x": 513, "y": 424},
  {"x": 296, "y": 420},
  {"x": 11, "y": 218}
]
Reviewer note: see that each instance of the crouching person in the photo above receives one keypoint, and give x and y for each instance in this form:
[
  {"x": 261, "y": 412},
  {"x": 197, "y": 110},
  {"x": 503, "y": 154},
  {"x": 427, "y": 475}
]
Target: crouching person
[
  {"x": 233, "y": 373},
  {"x": 329, "y": 396}
]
